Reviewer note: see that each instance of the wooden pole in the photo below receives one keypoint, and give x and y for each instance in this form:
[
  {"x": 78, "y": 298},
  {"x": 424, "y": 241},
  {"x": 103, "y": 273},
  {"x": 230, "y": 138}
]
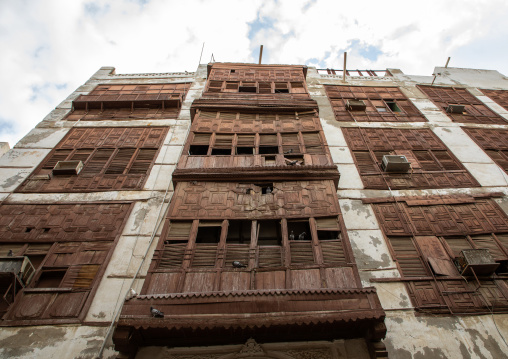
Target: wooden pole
[
  {"x": 260, "y": 54},
  {"x": 344, "y": 72}
]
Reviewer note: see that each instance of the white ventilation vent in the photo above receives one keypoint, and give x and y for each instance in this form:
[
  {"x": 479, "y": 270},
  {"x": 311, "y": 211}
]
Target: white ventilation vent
[{"x": 395, "y": 163}]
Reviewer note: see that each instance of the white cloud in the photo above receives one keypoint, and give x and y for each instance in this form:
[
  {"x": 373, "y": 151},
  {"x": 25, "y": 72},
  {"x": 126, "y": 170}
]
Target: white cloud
[{"x": 49, "y": 48}]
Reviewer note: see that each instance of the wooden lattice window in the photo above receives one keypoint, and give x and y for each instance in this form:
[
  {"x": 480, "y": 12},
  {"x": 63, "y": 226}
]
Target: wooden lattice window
[
  {"x": 113, "y": 158},
  {"x": 425, "y": 237},
  {"x": 432, "y": 164},
  {"x": 382, "y": 104},
  {"x": 493, "y": 142},
  {"x": 473, "y": 111},
  {"x": 499, "y": 96}
]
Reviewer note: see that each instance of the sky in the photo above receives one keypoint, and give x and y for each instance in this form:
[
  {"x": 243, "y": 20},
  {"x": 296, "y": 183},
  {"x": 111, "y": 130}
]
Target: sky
[{"x": 48, "y": 48}]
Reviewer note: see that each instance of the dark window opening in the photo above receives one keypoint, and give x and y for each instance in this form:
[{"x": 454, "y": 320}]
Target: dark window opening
[
  {"x": 239, "y": 232},
  {"x": 266, "y": 188},
  {"x": 198, "y": 150},
  {"x": 50, "y": 278},
  {"x": 208, "y": 233},
  {"x": 268, "y": 150},
  {"x": 269, "y": 160},
  {"x": 299, "y": 230},
  {"x": 328, "y": 235},
  {"x": 393, "y": 106},
  {"x": 251, "y": 89},
  {"x": 221, "y": 151},
  {"x": 245, "y": 150},
  {"x": 281, "y": 90},
  {"x": 269, "y": 233},
  {"x": 29, "y": 229},
  {"x": 36, "y": 259},
  {"x": 233, "y": 71},
  {"x": 46, "y": 230}
]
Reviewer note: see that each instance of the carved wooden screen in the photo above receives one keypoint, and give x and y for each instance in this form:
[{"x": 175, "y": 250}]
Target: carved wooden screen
[
  {"x": 69, "y": 246},
  {"x": 281, "y": 233},
  {"x": 474, "y": 110},
  {"x": 432, "y": 164},
  {"x": 499, "y": 96},
  {"x": 113, "y": 158},
  {"x": 383, "y": 104},
  {"x": 493, "y": 142},
  {"x": 254, "y": 79},
  {"x": 425, "y": 235},
  {"x": 127, "y": 102},
  {"x": 234, "y": 139}
]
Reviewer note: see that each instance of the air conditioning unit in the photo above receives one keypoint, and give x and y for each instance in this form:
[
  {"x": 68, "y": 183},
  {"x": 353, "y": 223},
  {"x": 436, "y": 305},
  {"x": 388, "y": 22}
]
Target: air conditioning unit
[
  {"x": 355, "y": 105},
  {"x": 67, "y": 168},
  {"x": 455, "y": 109},
  {"x": 478, "y": 260},
  {"x": 19, "y": 267},
  {"x": 395, "y": 163}
]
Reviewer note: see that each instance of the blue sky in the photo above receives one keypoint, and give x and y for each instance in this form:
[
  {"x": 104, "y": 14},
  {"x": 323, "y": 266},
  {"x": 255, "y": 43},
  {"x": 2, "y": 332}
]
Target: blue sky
[{"x": 51, "y": 47}]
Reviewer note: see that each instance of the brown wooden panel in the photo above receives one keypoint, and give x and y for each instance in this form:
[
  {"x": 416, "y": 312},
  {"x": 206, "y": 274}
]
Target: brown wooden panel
[
  {"x": 340, "y": 277},
  {"x": 165, "y": 282},
  {"x": 199, "y": 282},
  {"x": 67, "y": 305},
  {"x": 270, "y": 280},
  {"x": 425, "y": 294},
  {"x": 235, "y": 281},
  {"x": 306, "y": 279}
]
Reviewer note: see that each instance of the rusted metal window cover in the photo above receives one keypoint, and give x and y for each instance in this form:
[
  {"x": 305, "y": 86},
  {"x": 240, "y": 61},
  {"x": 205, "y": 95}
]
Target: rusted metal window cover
[
  {"x": 433, "y": 165},
  {"x": 379, "y": 104},
  {"x": 113, "y": 158},
  {"x": 474, "y": 110},
  {"x": 73, "y": 241}
]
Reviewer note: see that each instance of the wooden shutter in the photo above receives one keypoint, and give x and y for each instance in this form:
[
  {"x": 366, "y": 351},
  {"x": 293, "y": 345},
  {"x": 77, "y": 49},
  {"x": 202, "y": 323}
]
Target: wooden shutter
[
  {"x": 179, "y": 230},
  {"x": 172, "y": 256},
  {"x": 268, "y": 140},
  {"x": 447, "y": 161},
  {"x": 435, "y": 254},
  {"x": 327, "y": 223},
  {"x": 333, "y": 252},
  {"x": 205, "y": 255},
  {"x": 98, "y": 161},
  {"x": 301, "y": 252},
  {"x": 486, "y": 241},
  {"x": 458, "y": 244},
  {"x": 58, "y": 155},
  {"x": 290, "y": 143},
  {"x": 246, "y": 140},
  {"x": 365, "y": 162},
  {"x": 120, "y": 161},
  {"x": 223, "y": 141},
  {"x": 408, "y": 258},
  {"x": 313, "y": 143},
  {"x": 427, "y": 161},
  {"x": 143, "y": 160},
  {"x": 297, "y": 87},
  {"x": 269, "y": 256},
  {"x": 237, "y": 252},
  {"x": 201, "y": 139}
]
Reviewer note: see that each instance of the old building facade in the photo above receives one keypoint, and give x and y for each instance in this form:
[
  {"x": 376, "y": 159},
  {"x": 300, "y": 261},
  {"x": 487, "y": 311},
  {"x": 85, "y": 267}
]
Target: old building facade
[{"x": 260, "y": 211}]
